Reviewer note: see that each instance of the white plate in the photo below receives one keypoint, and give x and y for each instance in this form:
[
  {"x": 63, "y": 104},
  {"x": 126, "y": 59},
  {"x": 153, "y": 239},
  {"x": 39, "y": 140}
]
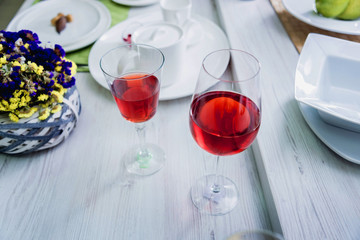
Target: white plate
[
  {"x": 136, "y": 3},
  {"x": 343, "y": 142},
  {"x": 304, "y": 10},
  {"x": 327, "y": 78},
  {"x": 90, "y": 20},
  {"x": 213, "y": 38}
]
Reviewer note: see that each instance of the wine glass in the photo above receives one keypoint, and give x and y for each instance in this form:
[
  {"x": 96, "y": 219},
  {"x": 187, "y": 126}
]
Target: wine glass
[
  {"x": 225, "y": 116},
  {"x": 256, "y": 235},
  {"x": 133, "y": 73}
]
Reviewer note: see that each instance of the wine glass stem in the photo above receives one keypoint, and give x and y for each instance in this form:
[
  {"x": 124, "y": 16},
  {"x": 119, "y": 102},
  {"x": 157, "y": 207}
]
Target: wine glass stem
[
  {"x": 215, "y": 188},
  {"x": 143, "y": 156}
]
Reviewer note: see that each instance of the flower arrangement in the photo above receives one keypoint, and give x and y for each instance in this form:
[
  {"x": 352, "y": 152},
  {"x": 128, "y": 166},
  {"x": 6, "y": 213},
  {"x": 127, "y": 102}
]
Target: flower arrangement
[{"x": 33, "y": 78}]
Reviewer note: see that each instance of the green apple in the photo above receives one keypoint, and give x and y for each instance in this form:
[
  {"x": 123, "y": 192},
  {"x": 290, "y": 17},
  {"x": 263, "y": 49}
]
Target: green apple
[
  {"x": 331, "y": 8},
  {"x": 352, "y": 11}
]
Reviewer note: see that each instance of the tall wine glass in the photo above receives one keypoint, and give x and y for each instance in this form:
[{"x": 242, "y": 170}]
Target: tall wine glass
[
  {"x": 225, "y": 116},
  {"x": 133, "y": 73}
]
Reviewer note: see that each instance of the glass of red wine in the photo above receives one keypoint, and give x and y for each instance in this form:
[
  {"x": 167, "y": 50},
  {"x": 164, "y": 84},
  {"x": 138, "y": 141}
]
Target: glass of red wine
[
  {"x": 225, "y": 116},
  {"x": 133, "y": 74}
]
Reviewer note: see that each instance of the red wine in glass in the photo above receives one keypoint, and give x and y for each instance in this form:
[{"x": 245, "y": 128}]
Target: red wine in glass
[
  {"x": 133, "y": 74},
  {"x": 137, "y": 96},
  {"x": 224, "y": 123}
]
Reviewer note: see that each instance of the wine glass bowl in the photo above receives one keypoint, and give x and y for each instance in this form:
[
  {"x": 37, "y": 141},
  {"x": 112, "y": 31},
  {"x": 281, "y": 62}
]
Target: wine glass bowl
[
  {"x": 137, "y": 96},
  {"x": 223, "y": 122},
  {"x": 133, "y": 74},
  {"x": 225, "y": 117}
]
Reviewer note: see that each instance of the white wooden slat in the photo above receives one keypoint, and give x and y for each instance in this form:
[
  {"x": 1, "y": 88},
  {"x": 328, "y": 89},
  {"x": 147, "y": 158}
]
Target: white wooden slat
[{"x": 315, "y": 193}]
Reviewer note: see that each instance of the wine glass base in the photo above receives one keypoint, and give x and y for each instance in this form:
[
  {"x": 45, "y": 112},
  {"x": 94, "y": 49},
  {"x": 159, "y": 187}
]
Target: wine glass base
[
  {"x": 214, "y": 201},
  {"x": 144, "y": 164}
]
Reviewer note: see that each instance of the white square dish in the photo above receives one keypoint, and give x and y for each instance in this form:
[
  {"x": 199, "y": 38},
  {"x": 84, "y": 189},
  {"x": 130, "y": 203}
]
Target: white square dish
[{"x": 328, "y": 78}]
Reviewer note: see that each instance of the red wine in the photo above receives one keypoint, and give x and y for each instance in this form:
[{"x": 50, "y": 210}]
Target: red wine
[
  {"x": 137, "y": 96},
  {"x": 224, "y": 123}
]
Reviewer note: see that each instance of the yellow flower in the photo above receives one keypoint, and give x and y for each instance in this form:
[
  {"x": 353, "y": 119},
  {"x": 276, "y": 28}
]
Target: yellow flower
[
  {"x": 16, "y": 64},
  {"x": 60, "y": 88},
  {"x": 21, "y": 97},
  {"x": 14, "y": 103},
  {"x": 26, "y": 45},
  {"x": 13, "y": 117},
  {"x": 39, "y": 70},
  {"x": 1, "y": 47},
  {"x": 28, "y": 112},
  {"x": 43, "y": 97},
  {"x": 13, "y": 106},
  {"x": 73, "y": 68},
  {"x": 5, "y": 103},
  {"x": 57, "y": 96},
  {"x": 24, "y": 101},
  {"x": 58, "y": 68},
  {"x": 14, "y": 99},
  {"x": 23, "y": 69},
  {"x": 34, "y": 67},
  {"x": 44, "y": 114},
  {"x": 17, "y": 93},
  {"x": 3, "y": 60},
  {"x": 56, "y": 108},
  {"x": 2, "y": 107}
]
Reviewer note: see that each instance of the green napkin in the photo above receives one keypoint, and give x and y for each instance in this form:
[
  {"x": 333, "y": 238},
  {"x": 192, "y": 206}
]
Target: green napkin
[{"x": 118, "y": 13}]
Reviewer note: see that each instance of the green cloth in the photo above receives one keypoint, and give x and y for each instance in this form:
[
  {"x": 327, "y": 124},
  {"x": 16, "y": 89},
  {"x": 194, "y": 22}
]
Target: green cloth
[{"x": 118, "y": 13}]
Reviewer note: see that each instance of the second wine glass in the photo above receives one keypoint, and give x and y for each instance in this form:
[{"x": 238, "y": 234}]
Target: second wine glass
[
  {"x": 133, "y": 74},
  {"x": 225, "y": 116}
]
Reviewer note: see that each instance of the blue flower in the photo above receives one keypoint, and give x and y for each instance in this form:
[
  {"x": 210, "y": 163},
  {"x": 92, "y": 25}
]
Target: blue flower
[
  {"x": 59, "y": 50},
  {"x": 23, "y": 49},
  {"x": 70, "y": 83},
  {"x": 28, "y": 36},
  {"x": 16, "y": 69},
  {"x": 61, "y": 78},
  {"x": 14, "y": 57}
]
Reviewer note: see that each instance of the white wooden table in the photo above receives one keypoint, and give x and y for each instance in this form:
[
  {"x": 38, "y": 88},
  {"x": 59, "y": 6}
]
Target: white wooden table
[{"x": 289, "y": 181}]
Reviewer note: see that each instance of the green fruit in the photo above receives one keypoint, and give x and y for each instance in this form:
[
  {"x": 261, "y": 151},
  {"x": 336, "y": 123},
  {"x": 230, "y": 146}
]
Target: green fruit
[
  {"x": 352, "y": 11},
  {"x": 331, "y": 8}
]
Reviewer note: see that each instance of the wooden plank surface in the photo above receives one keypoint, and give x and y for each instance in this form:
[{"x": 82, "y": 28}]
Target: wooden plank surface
[
  {"x": 80, "y": 190},
  {"x": 315, "y": 193}
]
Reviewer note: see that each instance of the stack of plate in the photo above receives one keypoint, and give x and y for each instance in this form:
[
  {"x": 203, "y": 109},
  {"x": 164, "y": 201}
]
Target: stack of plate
[{"x": 327, "y": 87}]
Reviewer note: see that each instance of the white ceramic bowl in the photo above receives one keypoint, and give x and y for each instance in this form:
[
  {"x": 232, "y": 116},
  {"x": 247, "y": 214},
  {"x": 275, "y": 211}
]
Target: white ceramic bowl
[{"x": 328, "y": 79}]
